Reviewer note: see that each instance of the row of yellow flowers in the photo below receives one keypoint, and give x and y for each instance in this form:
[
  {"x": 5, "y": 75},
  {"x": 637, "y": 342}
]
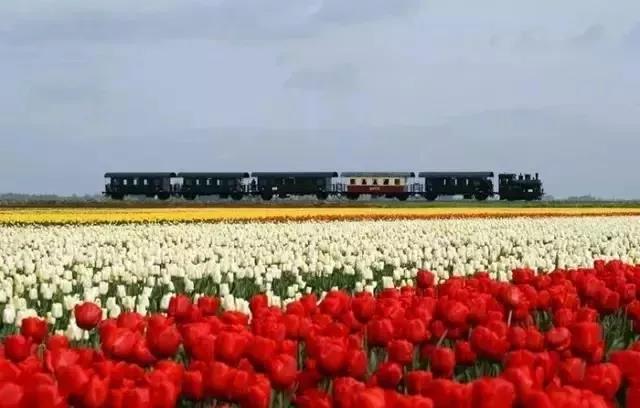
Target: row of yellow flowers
[{"x": 140, "y": 215}]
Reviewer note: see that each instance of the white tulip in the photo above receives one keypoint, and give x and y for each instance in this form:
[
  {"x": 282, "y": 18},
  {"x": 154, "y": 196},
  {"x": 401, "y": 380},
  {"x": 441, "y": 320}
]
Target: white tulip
[{"x": 8, "y": 315}]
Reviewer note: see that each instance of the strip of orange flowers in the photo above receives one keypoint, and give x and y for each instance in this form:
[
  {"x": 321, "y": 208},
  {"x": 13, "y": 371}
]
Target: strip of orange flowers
[{"x": 53, "y": 216}]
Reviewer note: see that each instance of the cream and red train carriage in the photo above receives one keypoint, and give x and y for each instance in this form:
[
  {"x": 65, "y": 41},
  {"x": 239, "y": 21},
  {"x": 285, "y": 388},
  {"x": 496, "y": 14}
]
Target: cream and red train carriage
[{"x": 387, "y": 184}]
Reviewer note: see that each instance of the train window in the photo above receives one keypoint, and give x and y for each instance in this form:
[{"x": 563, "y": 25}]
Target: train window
[
  {"x": 208, "y": 181},
  {"x": 444, "y": 182},
  {"x": 364, "y": 182},
  {"x": 466, "y": 182},
  {"x": 115, "y": 181},
  {"x": 396, "y": 182},
  {"x": 218, "y": 182},
  {"x": 352, "y": 181},
  {"x": 135, "y": 181},
  {"x": 124, "y": 182},
  {"x": 375, "y": 182},
  {"x": 386, "y": 182},
  {"x": 145, "y": 182},
  {"x": 197, "y": 182}
]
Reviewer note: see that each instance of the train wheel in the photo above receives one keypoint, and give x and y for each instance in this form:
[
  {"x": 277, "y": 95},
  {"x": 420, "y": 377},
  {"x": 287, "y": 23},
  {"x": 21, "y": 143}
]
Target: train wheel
[
  {"x": 481, "y": 196},
  {"x": 430, "y": 196},
  {"x": 117, "y": 196},
  {"x": 353, "y": 196},
  {"x": 266, "y": 196},
  {"x": 236, "y": 196},
  {"x": 322, "y": 196},
  {"x": 283, "y": 195},
  {"x": 163, "y": 195},
  {"x": 187, "y": 196},
  {"x": 403, "y": 197}
]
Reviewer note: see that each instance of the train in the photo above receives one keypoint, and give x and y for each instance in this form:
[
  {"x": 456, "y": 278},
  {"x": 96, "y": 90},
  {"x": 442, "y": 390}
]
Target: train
[{"x": 478, "y": 185}]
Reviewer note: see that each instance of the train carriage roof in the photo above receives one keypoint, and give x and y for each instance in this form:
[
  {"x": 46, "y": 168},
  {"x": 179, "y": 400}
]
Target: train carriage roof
[
  {"x": 274, "y": 174},
  {"x": 377, "y": 174},
  {"x": 216, "y": 175},
  {"x": 455, "y": 174},
  {"x": 139, "y": 174}
]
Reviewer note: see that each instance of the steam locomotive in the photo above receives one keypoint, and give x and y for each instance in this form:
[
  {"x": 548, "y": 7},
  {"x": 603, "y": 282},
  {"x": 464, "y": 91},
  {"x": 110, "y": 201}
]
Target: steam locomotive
[{"x": 352, "y": 185}]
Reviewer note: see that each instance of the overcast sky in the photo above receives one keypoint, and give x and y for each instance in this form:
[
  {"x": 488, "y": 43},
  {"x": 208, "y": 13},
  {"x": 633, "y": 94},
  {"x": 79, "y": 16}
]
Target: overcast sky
[{"x": 254, "y": 85}]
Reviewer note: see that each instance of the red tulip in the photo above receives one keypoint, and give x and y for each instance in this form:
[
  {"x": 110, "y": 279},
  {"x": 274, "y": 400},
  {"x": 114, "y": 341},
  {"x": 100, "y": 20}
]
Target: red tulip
[
  {"x": 629, "y": 364},
  {"x": 139, "y": 397},
  {"x": 493, "y": 393},
  {"x": 11, "y": 395},
  {"x": 559, "y": 339},
  {"x": 586, "y": 337},
  {"x": 165, "y": 344},
  {"x": 283, "y": 371},
  {"x": 535, "y": 339},
  {"x": 258, "y": 302},
  {"x": 356, "y": 364},
  {"x": 57, "y": 342},
  {"x": 417, "y": 401},
  {"x": 179, "y": 307},
  {"x": 517, "y": 337},
  {"x": 563, "y": 317},
  {"x": 120, "y": 343},
  {"x": 96, "y": 392},
  {"x": 456, "y": 314},
  {"x": 46, "y": 395},
  {"x": 512, "y": 297},
  {"x": 417, "y": 381},
  {"x": 401, "y": 352},
  {"x": 488, "y": 344},
  {"x": 443, "y": 361},
  {"x": 72, "y": 380},
  {"x": 217, "y": 380},
  {"x": 313, "y": 398},
  {"x": 633, "y": 396},
  {"x": 34, "y": 328},
  {"x": 380, "y": 332},
  {"x": 193, "y": 385},
  {"x": 256, "y": 397},
  {"x": 464, "y": 353},
  {"x": 363, "y": 306},
  {"x": 87, "y": 315},
  {"x": 425, "y": 279},
  {"x": 208, "y": 305},
  {"x": 17, "y": 347},
  {"x": 230, "y": 347},
  {"x": 415, "y": 331},
  {"x": 141, "y": 353},
  {"x": 163, "y": 393},
  {"x": 370, "y": 398},
  {"x": 134, "y": 321},
  {"x": 572, "y": 370},
  {"x": 332, "y": 358},
  {"x": 604, "y": 379}
]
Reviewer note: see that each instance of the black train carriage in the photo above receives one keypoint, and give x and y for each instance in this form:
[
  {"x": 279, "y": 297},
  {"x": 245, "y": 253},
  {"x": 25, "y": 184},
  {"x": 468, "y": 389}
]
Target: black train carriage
[
  {"x": 521, "y": 187},
  {"x": 284, "y": 184},
  {"x": 478, "y": 185},
  {"x": 222, "y": 184},
  {"x": 119, "y": 185}
]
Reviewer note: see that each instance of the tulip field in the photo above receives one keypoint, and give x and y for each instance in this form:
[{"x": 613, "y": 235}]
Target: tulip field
[{"x": 365, "y": 310}]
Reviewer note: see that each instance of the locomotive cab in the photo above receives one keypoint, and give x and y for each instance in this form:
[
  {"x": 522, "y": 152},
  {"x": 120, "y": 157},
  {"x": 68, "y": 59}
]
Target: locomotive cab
[{"x": 520, "y": 187}]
